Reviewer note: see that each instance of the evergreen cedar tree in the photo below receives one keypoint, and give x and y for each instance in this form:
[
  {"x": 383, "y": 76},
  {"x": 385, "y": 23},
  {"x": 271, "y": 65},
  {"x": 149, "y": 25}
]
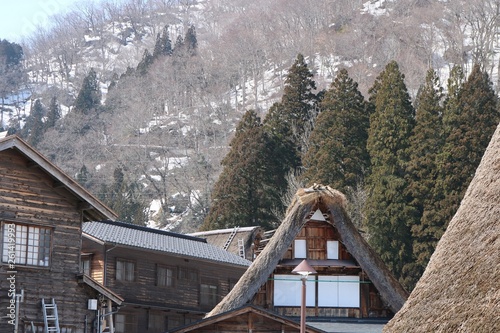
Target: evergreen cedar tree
[
  {"x": 337, "y": 154},
  {"x": 241, "y": 197},
  {"x": 34, "y": 128},
  {"x": 291, "y": 117},
  {"x": 251, "y": 185},
  {"x": 54, "y": 113},
  {"x": 163, "y": 45},
  {"x": 426, "y": 143},
  {"x": 145, "y": 63},
  {"x": 11, "y": 70},
  {"x": 417, "y": 164},
  {"x": 470, "y": 119},
  {"x": 388, "y": 212},
  {"x": 89, "y": 96},
  {"x": 124, "y": 198}
]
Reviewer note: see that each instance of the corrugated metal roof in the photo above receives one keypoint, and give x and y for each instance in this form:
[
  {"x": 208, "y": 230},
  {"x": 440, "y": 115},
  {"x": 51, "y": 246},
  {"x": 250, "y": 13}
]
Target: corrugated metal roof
[{"x": 158, "y": 240}]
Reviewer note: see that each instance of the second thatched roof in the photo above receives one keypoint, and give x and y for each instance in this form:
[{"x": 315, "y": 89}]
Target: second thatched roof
[
  {"x": 329, "y": 201},
  {"x": 460, "y": 289}
]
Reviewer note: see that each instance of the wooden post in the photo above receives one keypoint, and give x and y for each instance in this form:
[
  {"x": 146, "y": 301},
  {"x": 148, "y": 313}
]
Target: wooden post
[
  {"x": 110, "y": 320},
  {"x": 303, "y": 307}
]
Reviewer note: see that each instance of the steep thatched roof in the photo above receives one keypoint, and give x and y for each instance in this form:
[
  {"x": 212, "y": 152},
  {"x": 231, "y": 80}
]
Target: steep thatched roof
[
  {"x": 306, "y": 201},
  {"x": 460, "y": 289}
]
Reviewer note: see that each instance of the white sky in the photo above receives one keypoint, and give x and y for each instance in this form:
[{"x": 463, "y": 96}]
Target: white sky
[{"x": 19, "y": 18}]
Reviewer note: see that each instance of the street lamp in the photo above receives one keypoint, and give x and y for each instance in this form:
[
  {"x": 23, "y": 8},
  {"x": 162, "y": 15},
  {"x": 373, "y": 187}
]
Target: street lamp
[{"x": 303, "y": 269}]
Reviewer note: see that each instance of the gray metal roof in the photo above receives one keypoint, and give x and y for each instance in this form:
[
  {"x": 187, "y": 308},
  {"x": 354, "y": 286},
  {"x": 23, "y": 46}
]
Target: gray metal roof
[{"x": 158, "y": 240}]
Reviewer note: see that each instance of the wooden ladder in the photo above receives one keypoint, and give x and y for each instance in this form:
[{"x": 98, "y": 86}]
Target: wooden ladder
[
  {"x": 50, "y": 317},
  {"x": 230, "y": 239}
]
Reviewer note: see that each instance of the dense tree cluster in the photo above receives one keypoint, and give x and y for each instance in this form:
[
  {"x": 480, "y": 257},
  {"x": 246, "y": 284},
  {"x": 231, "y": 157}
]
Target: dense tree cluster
[
  {"x": 250, "y": 189},
  {"x": 414, "y": 159},
  {"x": 172, "y": 106}
]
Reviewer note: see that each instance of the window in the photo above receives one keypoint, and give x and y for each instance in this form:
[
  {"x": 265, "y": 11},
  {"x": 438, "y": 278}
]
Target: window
[
  {"x": 85, "y": 264},
  {"x": 125, "y": 270},
  {"x": 124, "y": 323},
  {"x": 332, "y": 250},
  {"x": 188, "y": 275},
  {"x": 164, "y": 276},
  {"x": 288, "y": 290},
  {"x": 27, "y": 245},
  {"x": 156, "y": 323},
  {"x": 299, "y": 249},
  {"x": 209, "y": 294},
  {"x": 339, "y": 291}
]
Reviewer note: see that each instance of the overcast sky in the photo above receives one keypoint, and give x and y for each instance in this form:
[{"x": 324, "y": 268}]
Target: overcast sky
[{"x": 19, "y": 18}]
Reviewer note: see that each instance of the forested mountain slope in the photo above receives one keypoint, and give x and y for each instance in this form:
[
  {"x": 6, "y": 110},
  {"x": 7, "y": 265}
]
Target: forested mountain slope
[{"x": 151, "y": 91}]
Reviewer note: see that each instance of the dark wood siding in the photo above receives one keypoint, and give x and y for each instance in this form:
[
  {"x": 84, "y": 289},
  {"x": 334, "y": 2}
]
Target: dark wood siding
[
  {"x": 28, "y": 197},
  {"x": 180, "y": 304}
]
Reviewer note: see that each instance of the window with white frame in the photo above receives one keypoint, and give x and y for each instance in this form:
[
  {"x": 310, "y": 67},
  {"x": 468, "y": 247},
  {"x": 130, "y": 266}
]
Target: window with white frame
[
  {"x": 288, "y": 290},
  {"x": 339, "y": 291},
  {"x": 332, "y": 249},
  {"x": 300, "y": 249},
  {"x": 27, "y": 244},
  {"x": 125, "y": 270}
]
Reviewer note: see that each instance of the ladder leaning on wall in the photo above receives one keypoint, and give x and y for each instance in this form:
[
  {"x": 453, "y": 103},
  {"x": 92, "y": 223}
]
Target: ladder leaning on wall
[
  {"x": 50, "y": 317},
  {"x": 230, "y": 238}
]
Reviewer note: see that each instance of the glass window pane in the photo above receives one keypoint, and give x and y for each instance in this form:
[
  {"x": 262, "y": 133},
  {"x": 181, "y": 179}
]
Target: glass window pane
[
  {"x": 300, "y": 250},
  {"x": 32, "y": 245}
]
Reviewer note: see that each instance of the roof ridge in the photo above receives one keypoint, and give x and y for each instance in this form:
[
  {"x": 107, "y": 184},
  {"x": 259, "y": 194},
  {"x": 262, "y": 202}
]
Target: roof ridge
[{"x": 152, "y": 230}]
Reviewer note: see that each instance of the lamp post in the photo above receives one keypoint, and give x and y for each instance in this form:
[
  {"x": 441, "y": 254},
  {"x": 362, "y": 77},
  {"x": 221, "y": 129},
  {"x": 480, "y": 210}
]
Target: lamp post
[{"x": 303, "y": 269}]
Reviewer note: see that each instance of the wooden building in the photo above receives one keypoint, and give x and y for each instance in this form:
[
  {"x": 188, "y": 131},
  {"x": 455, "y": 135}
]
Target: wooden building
[
  {"x": 166, "y": 279},
  {"x": 41, "y": 216},
  {"x": 351, "y": 280},
  {"x": 249, "y": 318},
  {"x": 242, "y": 241},
  {"x": 103, "y": 276}
]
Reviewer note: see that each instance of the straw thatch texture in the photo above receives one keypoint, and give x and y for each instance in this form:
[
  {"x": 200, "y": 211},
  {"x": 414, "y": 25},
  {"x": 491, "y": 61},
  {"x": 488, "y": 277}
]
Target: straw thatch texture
[
  {"x": 460, "y": 289},
  {"x": 257, "y": 274},
  {"x": 387, "y": 285},
  {"x": 304, "y": 203}
]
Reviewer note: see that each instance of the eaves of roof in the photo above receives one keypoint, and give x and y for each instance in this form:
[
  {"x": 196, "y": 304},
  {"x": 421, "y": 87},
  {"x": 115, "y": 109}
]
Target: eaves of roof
[
  {"x": 143, "y": 238},
  {"x": 99, "y": 208}
]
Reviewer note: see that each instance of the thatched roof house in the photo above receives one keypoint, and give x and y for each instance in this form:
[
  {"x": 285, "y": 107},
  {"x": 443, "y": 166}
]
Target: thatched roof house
[
  {"x": 460, "y": 289},
  {"x": 305, "y": 205}
]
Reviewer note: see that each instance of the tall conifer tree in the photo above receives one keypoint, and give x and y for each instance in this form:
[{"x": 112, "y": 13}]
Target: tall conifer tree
[
  {"x": 163, "y": 45},
  {"x": 89, "y": 96},
  {"x": 337, "y": 154},
  {"x": 240, "y": 196},
  {"x": 145, "y": 63},
  {"x": 125, "y": 199},
  {"x": 471, "y": 116},
  {"x": 54, "y": 113},
  {"x": 290, "y": 119},
  {"x": 387, "y": 209},
  {"x": 34, "y": 128},
  {"x": 426, "y": 143}
]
